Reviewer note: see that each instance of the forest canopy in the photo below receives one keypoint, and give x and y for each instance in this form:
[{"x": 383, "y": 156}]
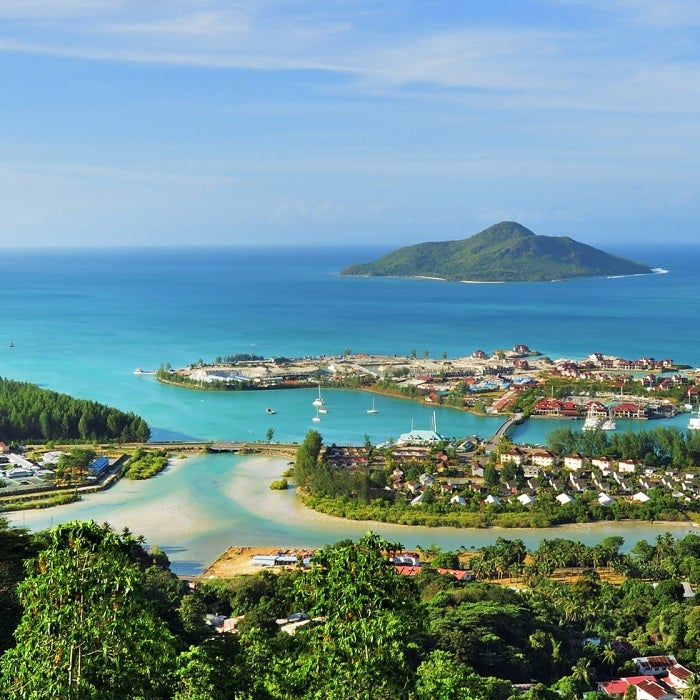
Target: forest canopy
[{"x": 29, "y": 413}]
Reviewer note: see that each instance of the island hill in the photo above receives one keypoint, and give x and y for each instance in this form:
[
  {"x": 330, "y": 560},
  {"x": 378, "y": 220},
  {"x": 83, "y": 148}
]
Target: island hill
[{"x": 505, "y": 252}]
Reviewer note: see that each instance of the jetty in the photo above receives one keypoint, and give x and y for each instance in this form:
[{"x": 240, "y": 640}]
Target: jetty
[{"x": 275, "y": 449}]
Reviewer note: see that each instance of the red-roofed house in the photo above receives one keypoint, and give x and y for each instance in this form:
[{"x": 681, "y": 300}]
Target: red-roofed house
[
  {"x": 617, "y": 688},
  {"x": 654, "y": 665},
  {"x": 627, "y": 409},
  {"x": 651, "y": 690},
  {"x": 678, "y": 676}
]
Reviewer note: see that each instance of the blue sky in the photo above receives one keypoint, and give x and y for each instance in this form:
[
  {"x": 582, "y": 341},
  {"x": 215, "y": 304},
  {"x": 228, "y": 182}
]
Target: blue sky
[{"x": 156, "y": 122}]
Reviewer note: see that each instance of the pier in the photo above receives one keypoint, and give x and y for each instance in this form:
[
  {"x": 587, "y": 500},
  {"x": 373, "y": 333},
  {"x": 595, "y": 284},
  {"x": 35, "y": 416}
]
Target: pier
[{"x": 275, "y": 449}]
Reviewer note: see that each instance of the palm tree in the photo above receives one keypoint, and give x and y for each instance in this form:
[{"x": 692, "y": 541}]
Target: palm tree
[
  {"x": 610, "y": 657},
  {"x": 692, "y": 688},
  {"x": 581, "y": 671}
]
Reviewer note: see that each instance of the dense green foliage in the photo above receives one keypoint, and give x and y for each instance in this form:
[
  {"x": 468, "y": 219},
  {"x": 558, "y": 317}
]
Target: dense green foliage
[
  {"x": 659, "y": 447},
  {"x": 87, "y": 630},
  {"x": 146, "y": 463},
  {"x": 505, "y": 252},
  {"x": 96, "y": 616},
  {"x": 31, "y": 414}
]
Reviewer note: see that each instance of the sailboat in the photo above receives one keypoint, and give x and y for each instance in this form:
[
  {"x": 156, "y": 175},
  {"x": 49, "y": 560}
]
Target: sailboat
[
  {"x": 316, "y": 418},
  {"x": 373, "y": 409},
  {"x": 318, "y": 401},
  {"x": 592, "y": 422}
]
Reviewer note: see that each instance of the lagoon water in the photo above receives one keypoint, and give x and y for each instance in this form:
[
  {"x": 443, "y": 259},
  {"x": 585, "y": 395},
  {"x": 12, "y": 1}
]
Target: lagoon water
[{"x": 81, "y": 321}]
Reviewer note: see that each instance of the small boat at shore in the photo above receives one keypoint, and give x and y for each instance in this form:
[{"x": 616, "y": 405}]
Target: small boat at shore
[
  {"x": 694, "y": 422},
  {"x": 138, "y": 370}
]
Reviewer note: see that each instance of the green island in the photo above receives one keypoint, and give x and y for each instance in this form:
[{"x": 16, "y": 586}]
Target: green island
[
  {"x": 505, "y": 252},
  {"x": 91, "y": 613}
]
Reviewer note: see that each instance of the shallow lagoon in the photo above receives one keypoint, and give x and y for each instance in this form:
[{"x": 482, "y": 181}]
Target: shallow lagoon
[
  {"x": 200, "y": 506},
  {"x": 80, "y": 322}
]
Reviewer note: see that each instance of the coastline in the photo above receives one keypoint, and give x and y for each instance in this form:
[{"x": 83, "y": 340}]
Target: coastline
[
  {"x": 284, "y": 507},
  {"x": 201, "y": 506}
]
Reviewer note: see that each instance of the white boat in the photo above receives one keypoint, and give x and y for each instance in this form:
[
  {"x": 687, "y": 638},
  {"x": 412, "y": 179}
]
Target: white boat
[
  {"x": 270, "y": 411},
  {"x": 694, "y": 422},
  {"x": 316, "y": 418},
  {"x": 608, "y": 424},
  {"x": 322, "y": 409},
  {"x": 593, "y": 420},
  {"x": 373, "y": 409},
  {"x": 318, "y": 401}
]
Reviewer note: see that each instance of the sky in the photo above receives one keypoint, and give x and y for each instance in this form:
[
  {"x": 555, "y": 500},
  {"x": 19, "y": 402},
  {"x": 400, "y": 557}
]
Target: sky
[{"x": 351, "y": 122}]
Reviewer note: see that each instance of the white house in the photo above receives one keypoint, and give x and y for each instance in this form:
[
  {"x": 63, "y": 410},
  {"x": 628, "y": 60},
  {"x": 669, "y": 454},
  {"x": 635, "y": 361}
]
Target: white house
[
  {"x": 526, "y": 499},
  {"x": 627, "y": 466},
  {"x": 654, "y": 665},
  {"x": 512, "y": 456},
  {"x": 544, "y": 458},
  {"x": 678, "y": 676},
  {"x": 641, "y": 497},
  {"x": 651, "y": 690},
  {"x": 564, "y": 499},
  {"x": 574, "y": 462}
]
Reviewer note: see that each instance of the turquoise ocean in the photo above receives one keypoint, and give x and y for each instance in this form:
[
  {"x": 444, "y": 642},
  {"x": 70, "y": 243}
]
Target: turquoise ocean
[{"x": 80, "y": 322}]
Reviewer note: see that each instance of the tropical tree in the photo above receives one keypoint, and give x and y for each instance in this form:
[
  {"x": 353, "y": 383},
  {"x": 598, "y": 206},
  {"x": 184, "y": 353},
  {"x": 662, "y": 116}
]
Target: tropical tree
[
  {"x": 370, "y": 622},
  {"x": 87, "y": 631},
  {"x": 609, "y": 657}
]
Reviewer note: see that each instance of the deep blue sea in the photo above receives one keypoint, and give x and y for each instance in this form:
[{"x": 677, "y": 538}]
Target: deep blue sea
[{"x": 80, "y": 322}]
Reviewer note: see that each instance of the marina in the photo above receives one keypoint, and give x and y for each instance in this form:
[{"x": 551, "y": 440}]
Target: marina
[{"x": 154, "y": 307}]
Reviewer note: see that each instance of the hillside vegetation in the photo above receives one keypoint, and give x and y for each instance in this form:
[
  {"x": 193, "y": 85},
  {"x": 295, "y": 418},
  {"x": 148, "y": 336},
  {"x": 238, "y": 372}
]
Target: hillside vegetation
[
  {"x": 505, "y": 252},
  {"x": 29, "y": 413}
]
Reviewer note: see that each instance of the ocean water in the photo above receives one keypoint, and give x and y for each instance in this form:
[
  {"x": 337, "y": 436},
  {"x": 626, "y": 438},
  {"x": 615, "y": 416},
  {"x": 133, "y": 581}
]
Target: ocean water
[{"x": 81, "y": 321}]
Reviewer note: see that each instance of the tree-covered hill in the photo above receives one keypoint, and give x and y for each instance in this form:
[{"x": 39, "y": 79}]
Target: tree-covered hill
[
  {"x": 505, "y": 252},
  {"x": 29, "y": 413},
  {"x": 89, "y": 613}
]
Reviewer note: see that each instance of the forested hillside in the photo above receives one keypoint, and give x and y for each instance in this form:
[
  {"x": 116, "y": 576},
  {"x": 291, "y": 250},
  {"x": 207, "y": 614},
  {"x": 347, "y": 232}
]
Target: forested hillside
[
  {"x": 96, "y": 616},
  {"x": 29, "y": 413}
]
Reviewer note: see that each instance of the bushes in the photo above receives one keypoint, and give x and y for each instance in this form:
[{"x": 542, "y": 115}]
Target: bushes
[{"x": 145, "y": 464}]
